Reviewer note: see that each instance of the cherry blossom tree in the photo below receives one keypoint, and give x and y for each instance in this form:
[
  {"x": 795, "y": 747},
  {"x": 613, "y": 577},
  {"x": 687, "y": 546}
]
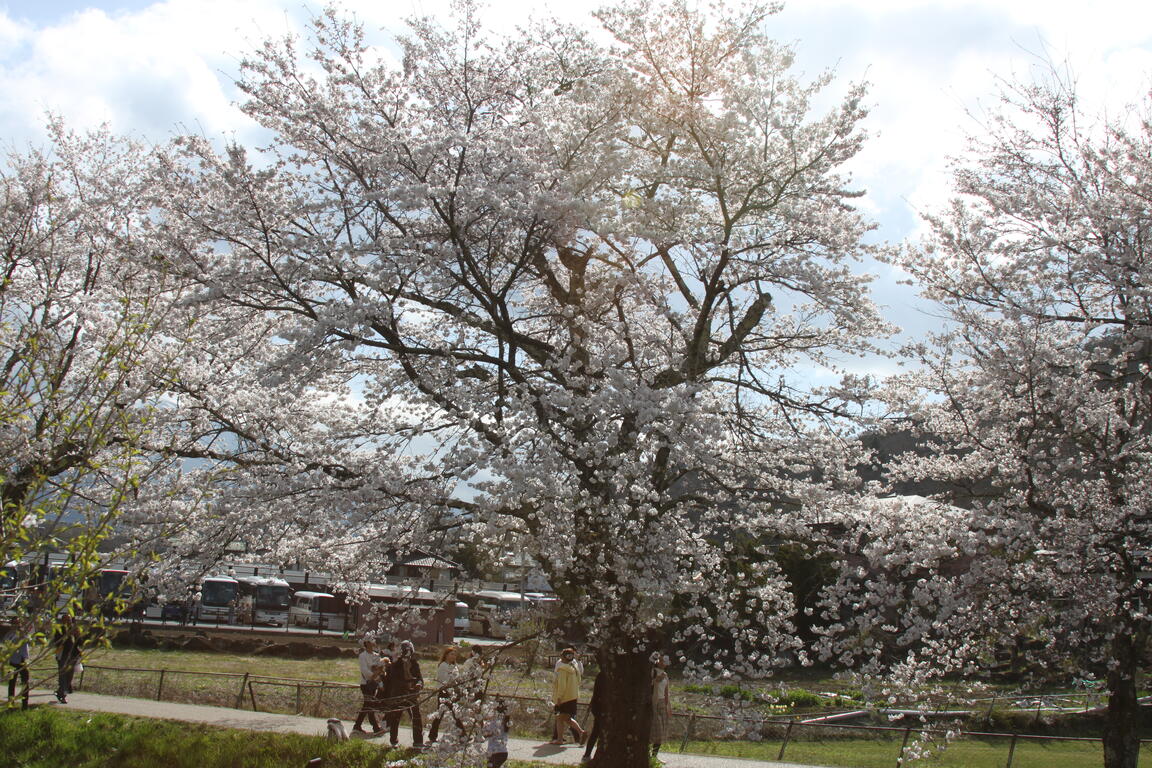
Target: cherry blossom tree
[
  {"x": 119, "y": 395},
  {"x": 1040, "y": 404},
  {"x": 85, "y": 338},
  {"x": 556, "y": 288}
]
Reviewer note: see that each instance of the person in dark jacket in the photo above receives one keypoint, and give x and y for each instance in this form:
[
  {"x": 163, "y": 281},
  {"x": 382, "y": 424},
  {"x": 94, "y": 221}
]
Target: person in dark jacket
[
  {"x": 67, "y": 641},
  {"x": 402, "y": 688},
  {"x": 17, "y": 640}
]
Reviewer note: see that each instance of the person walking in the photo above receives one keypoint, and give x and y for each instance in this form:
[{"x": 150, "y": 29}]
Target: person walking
[
  {"x": 67, "y": 642},
  {"x": 596, "y": 709},
  {"x": 17, "y": 639},
  {"x": 369, "y": 687},
  {"x": 402, "y": 689},
  {"x": 661, "y": 702},
  {"x": 447, "y": 691},
  {"x": 379, "y": 704},
  {"x": 565, "y": 693}
]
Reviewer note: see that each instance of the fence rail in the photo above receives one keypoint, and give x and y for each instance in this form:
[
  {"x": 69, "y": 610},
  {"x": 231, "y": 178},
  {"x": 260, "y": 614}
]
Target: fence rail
[{"x": 323, "y": 698}]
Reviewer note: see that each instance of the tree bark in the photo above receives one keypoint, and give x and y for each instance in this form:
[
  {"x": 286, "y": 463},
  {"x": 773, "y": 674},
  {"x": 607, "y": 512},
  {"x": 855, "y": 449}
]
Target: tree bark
[
  {"x": 627, "y": 710},
  {"x": 1121, "y": 727}
]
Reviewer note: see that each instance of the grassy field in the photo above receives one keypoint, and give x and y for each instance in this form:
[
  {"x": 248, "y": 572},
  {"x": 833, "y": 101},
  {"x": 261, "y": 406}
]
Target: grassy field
[
  {"x": 317, "y": 687},
  {"x": 47, "y": 738},
  {"x": 332, "y": 670},
  {"x": 882, "y": 753},
  {"x": 507, "y": 679}
]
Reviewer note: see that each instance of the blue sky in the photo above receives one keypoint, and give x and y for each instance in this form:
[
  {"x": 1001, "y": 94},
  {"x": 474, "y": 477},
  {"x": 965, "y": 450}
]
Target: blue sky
[
  {"x": 41, "y": 12},
  {"x": 160, "y": 68}
]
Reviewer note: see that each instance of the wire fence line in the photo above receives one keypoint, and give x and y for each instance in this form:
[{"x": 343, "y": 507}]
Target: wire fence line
[{"x": 322, "y": 698}]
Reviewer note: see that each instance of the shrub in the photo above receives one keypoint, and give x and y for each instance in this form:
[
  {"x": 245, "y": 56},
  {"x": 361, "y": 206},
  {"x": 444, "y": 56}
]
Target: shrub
[
  {"x": 736, "y": 692},
  {"x": 798, "y": 697}
]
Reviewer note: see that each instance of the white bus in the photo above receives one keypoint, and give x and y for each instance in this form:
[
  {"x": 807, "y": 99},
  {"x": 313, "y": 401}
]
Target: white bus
[
  {"x": 460, "y": 622},
  {"x": 219, "y": 600},
  {"x": 495, "y": 613},
  {"x": 317, "y": 609},
  {"x": 264, "y": 600}
]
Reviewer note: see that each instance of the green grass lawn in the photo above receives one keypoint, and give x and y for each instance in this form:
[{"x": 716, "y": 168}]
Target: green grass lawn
[
  {"x": 315, "y": 695},
  {"x": 342, "y": 669},
  {"x": 43, "y": 737},
  {"x": 46, "y": 738},
  {"x": 882, "y": 753}
]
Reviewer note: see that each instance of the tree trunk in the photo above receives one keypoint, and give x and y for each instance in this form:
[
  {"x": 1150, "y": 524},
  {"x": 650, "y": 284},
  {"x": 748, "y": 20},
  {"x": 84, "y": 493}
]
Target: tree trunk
[
  {"x": 627, "y": 711},
  {"x": 1121, "y": 726}
]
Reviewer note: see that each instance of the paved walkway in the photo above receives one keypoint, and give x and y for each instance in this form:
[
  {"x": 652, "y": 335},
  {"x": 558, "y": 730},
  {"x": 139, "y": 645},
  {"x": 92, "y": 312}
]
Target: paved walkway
[{"x": 518, "y": 749}]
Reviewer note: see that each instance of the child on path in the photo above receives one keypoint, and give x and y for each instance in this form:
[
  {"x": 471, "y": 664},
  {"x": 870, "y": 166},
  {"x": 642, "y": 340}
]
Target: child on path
[{"x": 496, "y": 729}]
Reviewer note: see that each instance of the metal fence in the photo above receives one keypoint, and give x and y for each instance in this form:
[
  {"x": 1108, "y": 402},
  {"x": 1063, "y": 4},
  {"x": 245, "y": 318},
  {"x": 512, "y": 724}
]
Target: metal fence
[{"x": 317, "y": 698}]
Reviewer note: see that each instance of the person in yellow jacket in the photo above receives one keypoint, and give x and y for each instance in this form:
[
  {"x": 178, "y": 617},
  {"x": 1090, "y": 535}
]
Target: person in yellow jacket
[{"x": 565, "y": 692}]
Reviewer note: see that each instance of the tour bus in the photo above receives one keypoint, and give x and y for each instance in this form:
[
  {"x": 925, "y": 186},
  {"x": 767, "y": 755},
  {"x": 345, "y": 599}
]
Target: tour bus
[
  {"x": 113, "y": 584},
  {"x": 426, "y": 616},
  {"x": 317, "y": 609},
  {"x": 263, "y": 600},
  {"x": 494, "y": 613},
  {"x": 461, "y": 621},
  {"x": 110, "y": 582},
  {"x": 219, "y": 599}
]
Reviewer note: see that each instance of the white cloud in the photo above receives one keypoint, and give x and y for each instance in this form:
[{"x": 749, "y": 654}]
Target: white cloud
[
  {"x": 12, "y": 33},
  {"x": 171, "y": 63},
  {"x": 141, "y": 72}
]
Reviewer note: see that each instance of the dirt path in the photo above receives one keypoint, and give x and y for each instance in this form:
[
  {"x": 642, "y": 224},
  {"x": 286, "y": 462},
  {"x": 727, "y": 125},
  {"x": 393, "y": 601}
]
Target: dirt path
[{"x": 518, "y": 749}]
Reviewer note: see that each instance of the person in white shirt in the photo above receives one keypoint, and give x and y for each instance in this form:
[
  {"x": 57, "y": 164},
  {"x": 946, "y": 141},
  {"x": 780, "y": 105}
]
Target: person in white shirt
[
  {"x": 369, "y": 685},
  {"x": 661, "y": 702}
]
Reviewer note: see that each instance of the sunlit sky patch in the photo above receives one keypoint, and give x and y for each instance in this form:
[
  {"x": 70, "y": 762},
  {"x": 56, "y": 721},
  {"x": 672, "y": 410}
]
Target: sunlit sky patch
[{"x": 156, "y": 69}]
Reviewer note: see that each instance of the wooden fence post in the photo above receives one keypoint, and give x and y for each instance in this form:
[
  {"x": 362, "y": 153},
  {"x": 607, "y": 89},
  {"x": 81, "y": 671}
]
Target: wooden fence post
[
  {"x": 252, "y": 695},
  {"x": 903, "y": 746},
  {"x": 787, "y": 736},
  {"x": 688, "y": 732},
  {"x": 298, "y": 698},
  {"x": 160, "y": 686},
  {"x": 320, "y": 700},
  {"x": 1011, "y": 751},
  {"x": 240, "y": 694}
]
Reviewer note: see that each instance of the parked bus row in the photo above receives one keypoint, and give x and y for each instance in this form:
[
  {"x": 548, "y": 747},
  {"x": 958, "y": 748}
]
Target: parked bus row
[
  {"x": 35, "y": 584},
  {"x": 253, "y": 595},
  {"x": 272, "y": 601}
]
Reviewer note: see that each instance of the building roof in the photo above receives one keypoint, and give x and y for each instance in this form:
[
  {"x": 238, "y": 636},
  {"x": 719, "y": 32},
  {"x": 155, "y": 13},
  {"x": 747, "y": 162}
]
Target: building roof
[{"x": 426, "y": 560}]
